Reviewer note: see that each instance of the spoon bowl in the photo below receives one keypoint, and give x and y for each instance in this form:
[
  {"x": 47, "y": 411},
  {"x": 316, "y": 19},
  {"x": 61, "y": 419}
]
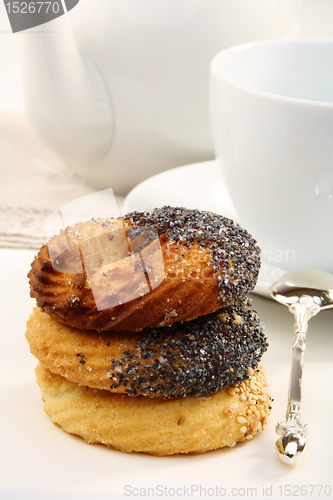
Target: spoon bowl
[
  {"x": 312, "y": 282},
  {"x": 305, "y": 293}
]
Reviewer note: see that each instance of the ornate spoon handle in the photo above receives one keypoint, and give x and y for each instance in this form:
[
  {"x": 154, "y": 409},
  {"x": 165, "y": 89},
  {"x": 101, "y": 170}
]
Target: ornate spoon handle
[{"x": 293, "y": 435}]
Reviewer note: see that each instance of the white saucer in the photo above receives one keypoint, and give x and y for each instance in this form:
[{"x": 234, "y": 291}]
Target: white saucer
[{"x": 200, "y": 186}]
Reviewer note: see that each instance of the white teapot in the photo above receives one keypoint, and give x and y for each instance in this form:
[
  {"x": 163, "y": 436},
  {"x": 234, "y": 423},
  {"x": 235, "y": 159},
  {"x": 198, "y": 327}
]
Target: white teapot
[{"x": 119, "y": 88}]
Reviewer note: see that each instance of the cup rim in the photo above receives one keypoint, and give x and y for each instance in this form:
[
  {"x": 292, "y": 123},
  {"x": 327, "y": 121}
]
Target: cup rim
[{"x": 262, "y": 93}]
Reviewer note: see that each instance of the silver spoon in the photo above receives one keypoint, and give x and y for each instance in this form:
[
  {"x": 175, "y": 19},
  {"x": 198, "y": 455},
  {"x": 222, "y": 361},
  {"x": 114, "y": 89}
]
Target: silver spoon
[{"x": 305, "y": 293}]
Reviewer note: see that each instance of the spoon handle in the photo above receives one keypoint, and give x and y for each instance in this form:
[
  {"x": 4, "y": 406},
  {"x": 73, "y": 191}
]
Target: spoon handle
[{"x": 293, "y": 434}]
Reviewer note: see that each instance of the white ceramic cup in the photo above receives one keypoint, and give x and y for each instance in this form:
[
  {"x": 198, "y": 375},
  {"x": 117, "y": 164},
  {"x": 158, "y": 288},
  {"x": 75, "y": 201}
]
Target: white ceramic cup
[
  {"x": 119, "y": 88},
  {"x": 272, "y": 118}
]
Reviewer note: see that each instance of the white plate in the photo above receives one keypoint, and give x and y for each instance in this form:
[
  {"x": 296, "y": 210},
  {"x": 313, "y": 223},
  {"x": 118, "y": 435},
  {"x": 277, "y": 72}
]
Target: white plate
[
  {"x": 200, "y": 186},
  {"x": 41, "y": 462}
]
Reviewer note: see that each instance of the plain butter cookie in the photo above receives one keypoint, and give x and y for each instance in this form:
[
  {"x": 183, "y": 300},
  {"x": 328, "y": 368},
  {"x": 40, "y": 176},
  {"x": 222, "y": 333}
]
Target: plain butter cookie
[{"x": 153, "y": 425}]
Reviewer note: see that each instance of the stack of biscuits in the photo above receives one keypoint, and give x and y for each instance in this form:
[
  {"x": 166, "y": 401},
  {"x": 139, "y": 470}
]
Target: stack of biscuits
[{"x": 146, "y": 339}]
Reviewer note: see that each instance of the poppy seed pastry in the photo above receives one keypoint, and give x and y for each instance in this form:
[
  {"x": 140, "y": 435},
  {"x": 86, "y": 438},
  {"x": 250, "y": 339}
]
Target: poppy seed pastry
[
  {"x": 145, "y": 269},
  {"x": 158, "y": 426},
  {"x": 198, "y": 357},
  {"x": 145, "y": 337}
]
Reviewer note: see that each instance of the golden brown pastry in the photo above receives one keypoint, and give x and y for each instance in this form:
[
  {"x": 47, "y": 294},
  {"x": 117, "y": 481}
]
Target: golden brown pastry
[
  {"x": 144, "y": 269},
  {"x": 198, "y": 357},
  {"x": 154, "y": 425},
  {"x": 145, "y": 338}
]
